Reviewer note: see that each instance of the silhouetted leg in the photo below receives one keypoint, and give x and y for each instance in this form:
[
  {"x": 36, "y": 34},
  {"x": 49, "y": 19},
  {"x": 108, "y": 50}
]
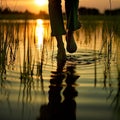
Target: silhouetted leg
[
  {"x": 57, "y": 26},
  {"x": 61, "y": 54},
  {"x": 71, "y": 7},
  {"x": 56, "y": 18},
  {"x": 73, "y": 23}
]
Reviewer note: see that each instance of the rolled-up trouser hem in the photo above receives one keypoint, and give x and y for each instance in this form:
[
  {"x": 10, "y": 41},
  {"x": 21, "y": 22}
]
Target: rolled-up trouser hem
[
  {"x": 56, "y": 33},
  {"x": 56, "y": 18},
  {"x": 71, "y": 7},
  {"x": 75, "y": 27}
]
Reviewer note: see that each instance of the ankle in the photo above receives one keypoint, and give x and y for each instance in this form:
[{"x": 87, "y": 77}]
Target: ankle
[
  {"x": 60, "y": 43},
  {"x": 58, "y": 38}
]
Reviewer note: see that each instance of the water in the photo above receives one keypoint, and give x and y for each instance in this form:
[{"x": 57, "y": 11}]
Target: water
[{"x": 86, "y": 87}]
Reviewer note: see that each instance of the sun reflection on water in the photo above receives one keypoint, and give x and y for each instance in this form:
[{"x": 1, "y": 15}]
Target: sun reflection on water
[{"x": 39, "y": 33}]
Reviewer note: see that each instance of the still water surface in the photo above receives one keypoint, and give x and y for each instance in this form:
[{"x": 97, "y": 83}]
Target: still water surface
[{"x": 35, "y": 86}]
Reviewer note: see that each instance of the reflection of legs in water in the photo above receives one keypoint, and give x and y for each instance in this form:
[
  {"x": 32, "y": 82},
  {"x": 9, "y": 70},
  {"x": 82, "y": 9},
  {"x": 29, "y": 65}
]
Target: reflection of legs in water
[
  {"x": 52, "y": 111},
  {"x": 69, "y": 104},
  {"x": 71, "y": 75},
  {"x": 56, "y": 109}
]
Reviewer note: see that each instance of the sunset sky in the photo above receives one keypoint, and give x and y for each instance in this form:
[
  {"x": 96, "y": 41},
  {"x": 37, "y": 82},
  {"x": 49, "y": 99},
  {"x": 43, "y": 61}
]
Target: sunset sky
[{"x": 37, "y": 5}]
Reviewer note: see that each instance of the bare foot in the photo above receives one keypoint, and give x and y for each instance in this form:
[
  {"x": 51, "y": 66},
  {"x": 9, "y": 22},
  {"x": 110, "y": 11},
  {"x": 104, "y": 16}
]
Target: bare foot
[{"x": 71, "y": 45}]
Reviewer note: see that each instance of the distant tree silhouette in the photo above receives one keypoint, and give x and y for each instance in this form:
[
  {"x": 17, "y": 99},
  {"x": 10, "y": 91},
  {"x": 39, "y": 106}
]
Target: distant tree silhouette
[
  {"x": 88, "y": 11},
  {"x": 27, "y": 12},
  {"x": 6, "y": 10},
  {"x": 112, "y": 12},
  {"x": 43, "y": 14}
]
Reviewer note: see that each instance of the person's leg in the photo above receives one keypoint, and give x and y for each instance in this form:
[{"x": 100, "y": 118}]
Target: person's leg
[
  {"x": 73, "y": 23},
  {"x": 57, "y": 26},
  {"x": 71, "y": 7},
  {"x": 56, "y": 18},
  {"x": 61, "y": 55}
]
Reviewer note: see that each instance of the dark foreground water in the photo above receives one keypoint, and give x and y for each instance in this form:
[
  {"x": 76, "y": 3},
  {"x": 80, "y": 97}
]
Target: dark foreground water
[{"x": 35, "y": 85}]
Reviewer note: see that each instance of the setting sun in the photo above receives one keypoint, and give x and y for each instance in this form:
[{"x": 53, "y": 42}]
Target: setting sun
[{"x": 40, "y": 2}]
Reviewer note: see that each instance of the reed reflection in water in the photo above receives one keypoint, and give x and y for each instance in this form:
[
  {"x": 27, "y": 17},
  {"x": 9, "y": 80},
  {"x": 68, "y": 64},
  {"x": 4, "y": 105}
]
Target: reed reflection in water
[{"x": 36, "y": 85}]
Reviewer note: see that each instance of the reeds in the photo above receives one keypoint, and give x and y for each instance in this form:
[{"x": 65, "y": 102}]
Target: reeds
[
  {"x": 109, "y": 29},
  {"x": 8, "y": 46},
  {"x": 28, "y": 65},
  {"x": 31, "y": 70}
]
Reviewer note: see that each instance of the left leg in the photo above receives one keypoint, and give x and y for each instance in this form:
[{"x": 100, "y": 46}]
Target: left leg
[
  {"x": 71, "y": 7},
  {"x": 73, "y": 23}
]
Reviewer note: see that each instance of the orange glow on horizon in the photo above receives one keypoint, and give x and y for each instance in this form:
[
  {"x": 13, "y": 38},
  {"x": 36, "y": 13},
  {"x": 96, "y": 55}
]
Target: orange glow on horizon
[
  {"x": 42, "y": 5},
  {"x": 41, "y": 2}
]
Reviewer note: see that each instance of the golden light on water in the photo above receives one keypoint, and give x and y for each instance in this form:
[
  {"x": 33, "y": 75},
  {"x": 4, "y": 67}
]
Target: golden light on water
[{"x": 39, "y": 33}]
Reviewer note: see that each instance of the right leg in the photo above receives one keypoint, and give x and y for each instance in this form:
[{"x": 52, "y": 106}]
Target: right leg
[
  {"x": 56, "y": 18},
  {"x": 57, "y": 26}
]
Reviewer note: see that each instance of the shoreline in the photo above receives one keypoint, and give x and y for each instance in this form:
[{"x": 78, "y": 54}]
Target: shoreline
[{"x": 33, "y": 17}]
